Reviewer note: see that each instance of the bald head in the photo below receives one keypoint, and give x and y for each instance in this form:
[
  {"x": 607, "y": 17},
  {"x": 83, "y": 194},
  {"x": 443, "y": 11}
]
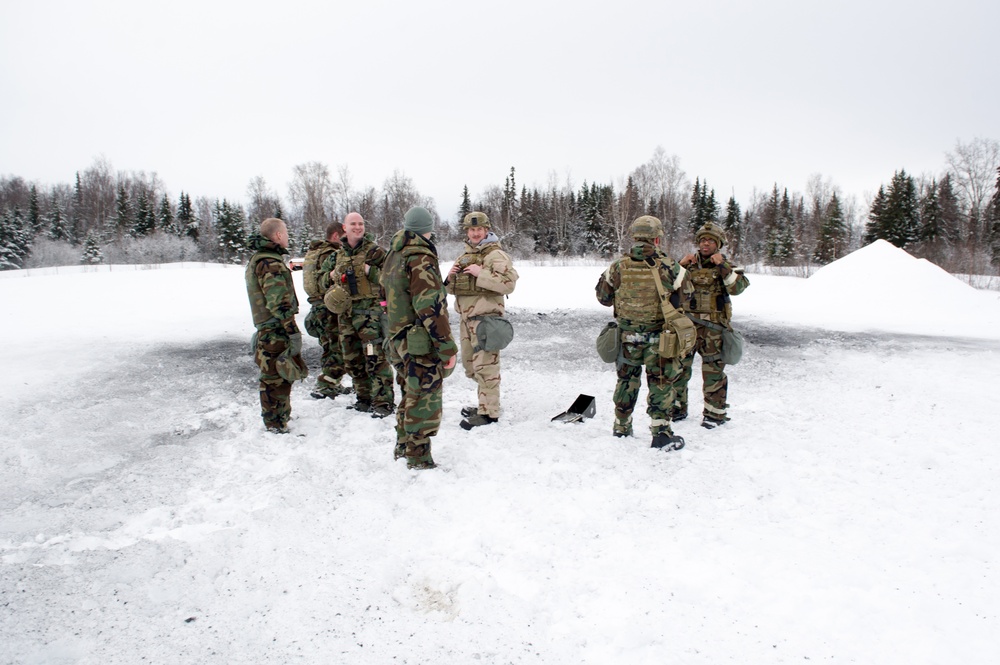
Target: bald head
[{"x": 354, "y": 228}]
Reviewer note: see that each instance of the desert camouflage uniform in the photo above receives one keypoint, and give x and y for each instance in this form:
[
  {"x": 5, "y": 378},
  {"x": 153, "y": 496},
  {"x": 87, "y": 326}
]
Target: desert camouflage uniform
[
  {"x": 710, "y": 310},
  {"x": 360, "y": 325},
  {"x": 419, "y": 340},
  {"x": 274, "y": 306},
  {"x": 477, "y": 297},
  {"x": 628, "y": 285},
  {"x": 321, "y": 322}
]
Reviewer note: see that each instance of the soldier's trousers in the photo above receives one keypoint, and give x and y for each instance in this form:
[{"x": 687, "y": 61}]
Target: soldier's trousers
[
  {"x": 483, "y": 367},
  {"x": 418, "y": 416},
  {"x": 715, "y": 383},
  {"x": 275, "y": 392},
  {"x": 661, "y": 373},
  {"x": 332, "y": 359},
  {"x": 365, "y": 360}
]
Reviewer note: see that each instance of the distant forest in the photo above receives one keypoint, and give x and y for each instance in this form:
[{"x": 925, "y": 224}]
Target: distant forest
[{"x": 104, "y": 216}]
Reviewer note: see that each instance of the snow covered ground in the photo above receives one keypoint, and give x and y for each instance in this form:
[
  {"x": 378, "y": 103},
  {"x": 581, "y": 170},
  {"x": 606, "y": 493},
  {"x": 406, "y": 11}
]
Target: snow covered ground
[{"x": 846, "y": 514}]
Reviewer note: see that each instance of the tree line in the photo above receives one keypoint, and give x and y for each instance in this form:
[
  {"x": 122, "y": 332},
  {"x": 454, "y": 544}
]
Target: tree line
[{"x": 951, "y": 218}]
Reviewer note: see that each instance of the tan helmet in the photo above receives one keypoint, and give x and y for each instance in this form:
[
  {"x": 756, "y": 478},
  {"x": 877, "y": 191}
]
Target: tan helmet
[
  {"x": 646, "y": 227},
  {"x": 476, "y": 219},
  {"x": 713, "y": 231}
]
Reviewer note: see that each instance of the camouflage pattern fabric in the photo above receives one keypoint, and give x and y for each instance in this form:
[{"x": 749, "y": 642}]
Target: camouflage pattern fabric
[
  {"x": 361, "y": 329},
  {"x": 274, "y": 305},
  {"x": 327, "y": 324},
  {"x": 275, "y": 392},
  {"x": 715, "y": 383},
  {"x": 709, "y": 301},
  {"x": 640, "y": 340},
  {"x": 420, "y": 340},
  {"x": 481, "y": 366}
]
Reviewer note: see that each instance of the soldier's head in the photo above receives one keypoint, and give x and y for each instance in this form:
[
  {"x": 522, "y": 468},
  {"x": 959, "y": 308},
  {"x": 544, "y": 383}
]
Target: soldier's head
[
  {"x": 419, "y": 220},
  {"x": 354, "y": 228},
  {"x": 275, "y": 230},
  {"x": 710, "y": 238},
  {"x": 334, "y": 231},
  {"x": 646, "y": 228},
  {"x": 476, "y": 226}
]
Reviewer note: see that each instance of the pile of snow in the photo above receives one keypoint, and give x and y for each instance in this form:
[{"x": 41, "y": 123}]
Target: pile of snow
[{"x": 878, "y": 287}]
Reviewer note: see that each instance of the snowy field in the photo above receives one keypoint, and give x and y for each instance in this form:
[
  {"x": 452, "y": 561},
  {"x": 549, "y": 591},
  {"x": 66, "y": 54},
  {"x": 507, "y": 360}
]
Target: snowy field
[{"x": 847, "y": 514}]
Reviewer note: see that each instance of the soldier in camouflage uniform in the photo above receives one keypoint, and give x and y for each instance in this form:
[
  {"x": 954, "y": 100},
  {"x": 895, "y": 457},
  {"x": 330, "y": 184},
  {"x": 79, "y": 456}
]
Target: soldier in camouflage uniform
[
  {"x": 321, "y": 322},
  {"x": 714, "y": 279},
  {"x": 274, "y": 305},
  {"x": 480, "y": 279},
  {"x": 629, "y": 285},
  {"x": 419, "y": 341},
  {"x": 355, "y": 268}
]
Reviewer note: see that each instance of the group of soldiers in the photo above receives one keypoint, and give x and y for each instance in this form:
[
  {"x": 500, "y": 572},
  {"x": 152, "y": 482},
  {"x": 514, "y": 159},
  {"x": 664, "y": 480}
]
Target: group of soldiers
[
  {"x": 372, "y": 309},
  {"x": 659, "y": 303}
]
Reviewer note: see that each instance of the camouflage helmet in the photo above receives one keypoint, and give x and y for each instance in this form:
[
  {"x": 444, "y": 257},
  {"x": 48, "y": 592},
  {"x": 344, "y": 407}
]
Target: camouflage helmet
[
  {"x": 646, "y": 227},
  {"x": 713, "y": 231},
  {"x": 476, "y": 219}
]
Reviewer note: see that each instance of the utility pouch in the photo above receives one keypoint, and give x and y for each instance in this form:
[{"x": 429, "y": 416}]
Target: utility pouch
[
  {"x": 494, "y": 333},
  {"x": 668, "y": 347},
  {"x": 732, "y": 346},
  {"x": 418, "y": 341},
  {"x": 291, "y": 368},
  {"x": 678, "y": 338},
  {"x": 337, "y": 300},
  {"x": 609, "y": 343}
]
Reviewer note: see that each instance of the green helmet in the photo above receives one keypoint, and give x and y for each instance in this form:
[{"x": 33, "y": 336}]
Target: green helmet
[
  {"x": 713, "y": 231},
  {"x": 646, "y": 227},
  {"x": 476, "y": 219}
]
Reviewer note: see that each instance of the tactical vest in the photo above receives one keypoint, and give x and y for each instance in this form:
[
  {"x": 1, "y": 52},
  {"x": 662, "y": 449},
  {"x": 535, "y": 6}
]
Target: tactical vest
[
  {"x": 314, "y": 258},
  {"x": 345, "y": 265},
  {"x": 258, "y": 306},
  {"x": 465, "y": 284},
  {"x": 397, "y": 283},
  {"x": 637, "y": 299},
  {"x": 709, "y": 300}
]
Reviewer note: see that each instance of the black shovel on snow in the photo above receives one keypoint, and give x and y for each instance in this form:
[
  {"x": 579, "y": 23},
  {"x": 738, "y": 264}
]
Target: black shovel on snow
[{"x": 583, "y": 407}]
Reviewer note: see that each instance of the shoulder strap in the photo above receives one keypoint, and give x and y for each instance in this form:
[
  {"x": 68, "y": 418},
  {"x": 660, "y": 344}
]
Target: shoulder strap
[{"x": 669, "y": 311}]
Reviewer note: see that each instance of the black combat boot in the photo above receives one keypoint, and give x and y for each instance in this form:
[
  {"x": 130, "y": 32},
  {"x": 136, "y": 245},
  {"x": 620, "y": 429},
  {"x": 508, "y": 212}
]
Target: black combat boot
[
  {"x": 667, "y": 441},
  {"x": 477, "y": 420},
  {"x": 381, "y": 411},
  {"x": 361, "y": 405},
  {"x": 709, "y": 422},
  {"x": 468, "y": 411}
]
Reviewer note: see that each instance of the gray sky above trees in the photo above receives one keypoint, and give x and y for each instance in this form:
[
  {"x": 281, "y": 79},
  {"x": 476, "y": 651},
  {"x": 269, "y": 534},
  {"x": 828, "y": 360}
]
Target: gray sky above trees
[{"x": 209, "y": 94}]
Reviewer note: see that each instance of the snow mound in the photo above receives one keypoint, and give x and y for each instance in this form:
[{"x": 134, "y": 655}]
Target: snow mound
[{"x": 882, "y": 263}]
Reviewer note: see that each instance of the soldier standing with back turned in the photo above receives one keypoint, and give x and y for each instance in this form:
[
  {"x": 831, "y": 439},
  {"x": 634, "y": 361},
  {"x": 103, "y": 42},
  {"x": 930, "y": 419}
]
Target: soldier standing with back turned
[
  {"x": 420, "y": 344},
  {"x": 714, "y": 279},
  {"x": 631, "y": 286}
]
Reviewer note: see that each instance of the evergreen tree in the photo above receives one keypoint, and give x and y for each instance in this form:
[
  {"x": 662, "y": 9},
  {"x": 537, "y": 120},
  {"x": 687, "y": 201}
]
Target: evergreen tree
[
  {"x": 895, "y": 213},
  {"x": 930, "y": 216},
  {"x": 144, "y": 222},
  {"x": 833, "y": 233},
  {"x": 951, "y": 211},
  {"x": 230, "y": 230},
  {"x": 466, "y": 206},
  {"x": 57, "y": 221},
  {"x": 781, "y": 239},
  {"x": 166, "y": 217},
  {"x": 123, "y": 211},
  {"x": 732, "y": 224},
  {"x": 92, "y": 254},
  {"x": 993, "y": 219},
  {"x": 34, "y": 212},
  {"x": 15, "y": 239},
  {"x": 187, "y": 225}
]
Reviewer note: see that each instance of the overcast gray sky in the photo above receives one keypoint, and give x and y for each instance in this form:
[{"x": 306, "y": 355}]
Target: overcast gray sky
[{"x": 209, "y": 94}]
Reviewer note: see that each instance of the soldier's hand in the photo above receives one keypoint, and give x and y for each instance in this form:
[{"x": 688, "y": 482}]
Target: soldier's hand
[
  {"x": 687, "y": 260},
  {"x": 474, "y": 269},
  {"x": 367, "y": 268},
  {"x": 450, "y": 363},
  {"x": 454, "y": 268},
  {"x": 717, "y": 258}
]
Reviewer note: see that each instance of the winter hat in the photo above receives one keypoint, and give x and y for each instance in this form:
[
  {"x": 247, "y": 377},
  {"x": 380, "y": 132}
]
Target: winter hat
[
  {"x": 646, "y": 227},
  {"x": 713, "y": 231},
  {"x": 418, "y": 220}
]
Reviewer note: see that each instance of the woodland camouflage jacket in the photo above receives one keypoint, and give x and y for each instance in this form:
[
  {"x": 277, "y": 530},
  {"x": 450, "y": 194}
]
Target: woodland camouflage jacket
[{"x": 269, "y": 286}]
